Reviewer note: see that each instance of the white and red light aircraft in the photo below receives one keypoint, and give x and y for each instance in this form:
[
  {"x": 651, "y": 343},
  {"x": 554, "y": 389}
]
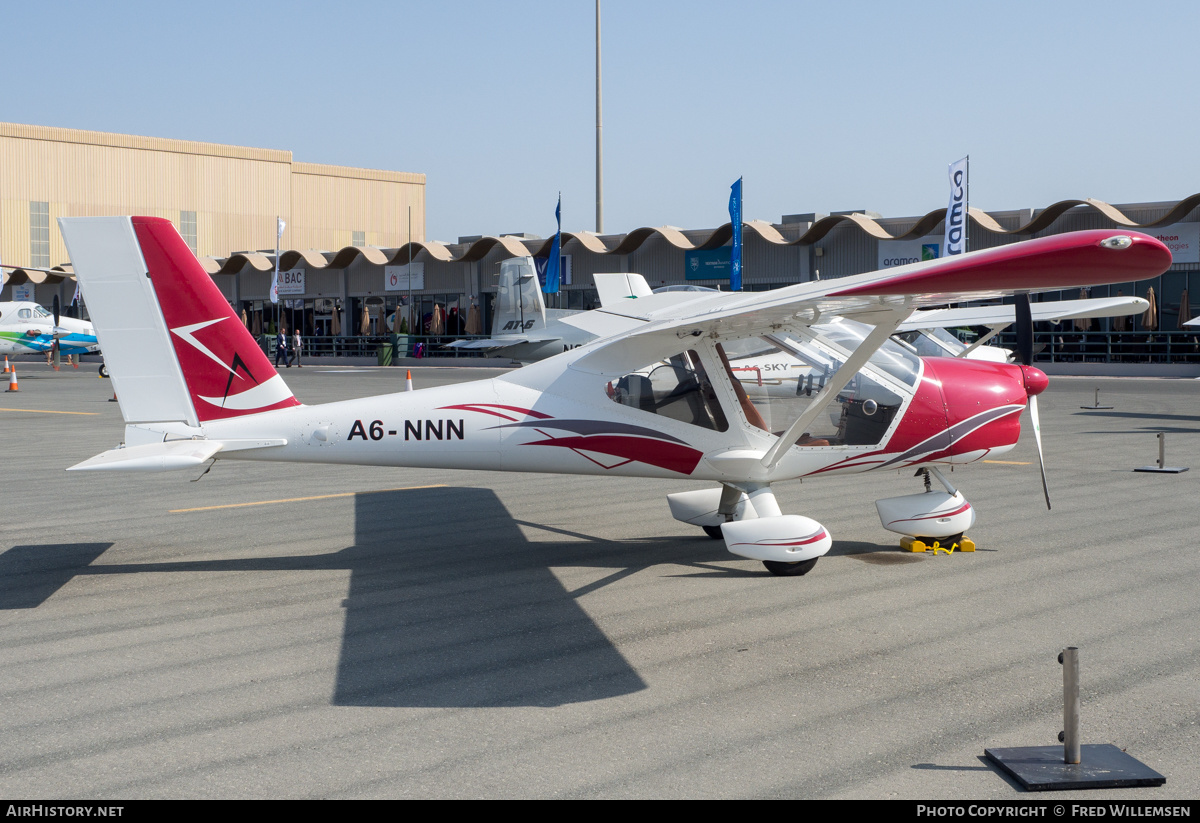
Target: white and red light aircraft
[{"x": 656, "y": 398}]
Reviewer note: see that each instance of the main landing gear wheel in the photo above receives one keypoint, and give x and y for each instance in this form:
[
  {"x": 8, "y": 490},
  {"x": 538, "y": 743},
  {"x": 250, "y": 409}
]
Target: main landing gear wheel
[
  {"x": 713, "y": 531},
  {"x": 781, "y": 569},
  {"x": 103, "y": 370}
]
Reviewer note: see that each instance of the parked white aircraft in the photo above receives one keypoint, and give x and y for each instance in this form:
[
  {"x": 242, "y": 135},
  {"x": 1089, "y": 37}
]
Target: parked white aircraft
[
  {"x": 658, "y": 399},
  {"x": 28, "y": 328},
  {"x": 522, "y": 327}
]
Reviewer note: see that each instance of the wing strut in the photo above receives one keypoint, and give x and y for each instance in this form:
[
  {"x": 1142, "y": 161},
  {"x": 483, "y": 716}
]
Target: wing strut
[
  {"x": 995, "y": 330},
  {"x": 857, "y": 359}
]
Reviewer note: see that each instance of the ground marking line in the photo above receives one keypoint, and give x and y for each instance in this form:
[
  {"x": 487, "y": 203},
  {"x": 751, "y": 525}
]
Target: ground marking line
[
  {"x": 1007, "y": 462},
  {"x": 303, "y": 499},
  {"x": 47, "y": 411}
]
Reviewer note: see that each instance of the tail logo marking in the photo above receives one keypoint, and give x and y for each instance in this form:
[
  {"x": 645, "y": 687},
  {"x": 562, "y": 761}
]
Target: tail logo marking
[
  {"x": 188, "y": 335},
  {"x": 256, "y": 398}
]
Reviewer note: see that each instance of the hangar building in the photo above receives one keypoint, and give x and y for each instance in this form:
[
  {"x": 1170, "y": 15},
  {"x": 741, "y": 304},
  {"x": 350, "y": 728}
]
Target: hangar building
[{"x": 352, "y": 263}]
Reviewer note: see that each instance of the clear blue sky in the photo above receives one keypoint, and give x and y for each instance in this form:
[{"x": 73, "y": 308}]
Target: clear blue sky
[{"x": 820, "y": 106}]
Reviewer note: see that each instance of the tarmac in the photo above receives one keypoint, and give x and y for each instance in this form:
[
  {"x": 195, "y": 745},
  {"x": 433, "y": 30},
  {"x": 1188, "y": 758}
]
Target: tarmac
[{"x": 281, "y": 631}]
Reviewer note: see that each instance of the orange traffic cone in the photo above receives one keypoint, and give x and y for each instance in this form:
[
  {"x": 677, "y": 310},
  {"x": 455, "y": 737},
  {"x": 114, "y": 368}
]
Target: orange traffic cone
[
  {"x": 7, "y": 368},
  {"x": 408, "y": 381},
  {"x": 12, "y": 380}
]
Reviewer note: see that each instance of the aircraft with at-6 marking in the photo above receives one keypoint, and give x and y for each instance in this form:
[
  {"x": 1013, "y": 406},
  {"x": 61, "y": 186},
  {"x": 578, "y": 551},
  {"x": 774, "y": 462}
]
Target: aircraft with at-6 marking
[{"x": 656, "y": 397}]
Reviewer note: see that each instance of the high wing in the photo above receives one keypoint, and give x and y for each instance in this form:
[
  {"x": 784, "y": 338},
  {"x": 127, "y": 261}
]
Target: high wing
[{"x": 1085, "y": 258}]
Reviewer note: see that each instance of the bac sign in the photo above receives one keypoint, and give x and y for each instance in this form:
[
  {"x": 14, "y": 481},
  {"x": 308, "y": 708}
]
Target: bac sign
[{"x": 291, "y": 281}]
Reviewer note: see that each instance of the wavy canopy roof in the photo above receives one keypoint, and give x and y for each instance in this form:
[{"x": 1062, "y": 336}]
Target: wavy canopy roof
[
  {"x": 38, "y": 276},
  {"x": 627, "y": 243}
]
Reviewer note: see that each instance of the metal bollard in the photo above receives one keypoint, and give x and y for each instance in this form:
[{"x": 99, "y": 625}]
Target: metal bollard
[
  {"x": 1161, "y": 466},
  {"x": 1070, "y": 735}
]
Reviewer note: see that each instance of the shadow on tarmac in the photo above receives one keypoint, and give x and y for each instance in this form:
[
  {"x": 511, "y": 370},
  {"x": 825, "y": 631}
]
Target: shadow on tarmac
[
  {"x": 453, "y": 607},
  {"x": 29, "y": 575}
]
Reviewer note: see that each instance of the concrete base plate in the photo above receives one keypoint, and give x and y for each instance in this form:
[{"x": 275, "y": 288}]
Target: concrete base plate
[
  {"x": 1162, "y": 469},
  {"x": 1104, "y": 766}
]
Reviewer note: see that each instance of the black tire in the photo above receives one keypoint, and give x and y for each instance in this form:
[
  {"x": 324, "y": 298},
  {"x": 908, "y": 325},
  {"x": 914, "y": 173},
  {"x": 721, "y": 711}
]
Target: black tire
[
  {"x": 714, "y": 532},
  {"x": 781, "y": 569},
  {"x": 103, "y": 370}
]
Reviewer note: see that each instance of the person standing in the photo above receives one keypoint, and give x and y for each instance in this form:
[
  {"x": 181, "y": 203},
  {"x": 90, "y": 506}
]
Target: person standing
[
  {"x": 296, "y": 341},
  {"x": 281, "y": 348}
]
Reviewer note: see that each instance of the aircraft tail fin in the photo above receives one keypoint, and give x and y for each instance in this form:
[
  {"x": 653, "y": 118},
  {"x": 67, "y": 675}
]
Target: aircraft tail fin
[
  {"x": 616, "y": 287},
  {"x": 519, "y": 304},
  {"x": 172, "y": 344}
]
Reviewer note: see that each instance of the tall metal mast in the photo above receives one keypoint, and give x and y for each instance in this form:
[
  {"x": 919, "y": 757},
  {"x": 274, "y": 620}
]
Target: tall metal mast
[{"x": 599, "y": 138}]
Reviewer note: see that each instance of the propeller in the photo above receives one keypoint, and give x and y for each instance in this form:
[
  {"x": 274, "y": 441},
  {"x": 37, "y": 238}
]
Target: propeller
[
  {"x": 57, "y": 356},
  {"x": 1024, "y": 331}
]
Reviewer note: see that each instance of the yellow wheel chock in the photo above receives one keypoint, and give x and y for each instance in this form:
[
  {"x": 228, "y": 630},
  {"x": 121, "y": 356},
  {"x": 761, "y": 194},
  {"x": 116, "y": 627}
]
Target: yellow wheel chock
[{"x": 913, "y": 544}]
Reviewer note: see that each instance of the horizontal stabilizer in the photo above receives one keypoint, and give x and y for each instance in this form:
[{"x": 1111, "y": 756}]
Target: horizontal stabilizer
[
  {"x": 169, "y": 456},
  {"x": 501, "y": 342}
]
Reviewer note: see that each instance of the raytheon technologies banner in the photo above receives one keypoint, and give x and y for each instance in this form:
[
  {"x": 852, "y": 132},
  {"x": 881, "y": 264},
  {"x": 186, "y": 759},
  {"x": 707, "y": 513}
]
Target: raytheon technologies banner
[{"x": 1183, "y": 239}]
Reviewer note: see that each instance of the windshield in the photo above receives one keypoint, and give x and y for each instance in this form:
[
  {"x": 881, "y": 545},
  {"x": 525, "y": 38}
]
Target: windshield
[
  {"x": 891, "y": 357},
  {"x": 781, "y": 377}
]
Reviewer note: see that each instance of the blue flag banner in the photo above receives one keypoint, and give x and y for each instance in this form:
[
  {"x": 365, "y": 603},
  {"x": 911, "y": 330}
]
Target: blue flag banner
[
  {"x": 554, "y": 266},
  {"x": 735, "y": 221}
]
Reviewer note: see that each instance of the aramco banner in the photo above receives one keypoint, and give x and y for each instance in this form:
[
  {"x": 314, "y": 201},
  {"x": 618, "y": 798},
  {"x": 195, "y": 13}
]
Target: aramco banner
[
  {"x": 894, "y": 253},
  {"x": 955, "y": 240}
]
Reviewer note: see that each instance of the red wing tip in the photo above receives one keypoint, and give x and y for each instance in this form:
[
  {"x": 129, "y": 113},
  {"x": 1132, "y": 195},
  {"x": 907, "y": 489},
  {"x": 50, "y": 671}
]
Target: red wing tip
[{"x": 944, "y": 274}]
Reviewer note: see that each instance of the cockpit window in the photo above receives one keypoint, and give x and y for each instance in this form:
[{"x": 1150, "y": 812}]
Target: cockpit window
[
  {"x": 891, "y": 357},
  {"x": 24, "y": 314},
  {"x": 933, "y": 342},
  {"x": 677, "y": 387},
  {"x": 41, "y": 312},
  {"x": 782, "y": 375}
]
